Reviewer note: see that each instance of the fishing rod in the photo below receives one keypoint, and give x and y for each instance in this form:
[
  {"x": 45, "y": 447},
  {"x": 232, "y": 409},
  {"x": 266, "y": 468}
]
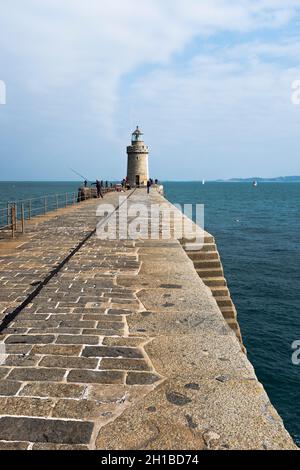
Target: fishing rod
[
  {"x": 86, "y": 179},
  {"x": 78, "y": 174}
]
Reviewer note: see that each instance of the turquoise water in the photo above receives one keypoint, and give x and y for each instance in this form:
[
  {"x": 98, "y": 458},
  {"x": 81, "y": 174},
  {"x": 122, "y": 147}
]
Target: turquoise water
[
  {"x": 13, "y": 191},
  {"x": 36, "y": 192},
  {"x": 258, "y": 234}
]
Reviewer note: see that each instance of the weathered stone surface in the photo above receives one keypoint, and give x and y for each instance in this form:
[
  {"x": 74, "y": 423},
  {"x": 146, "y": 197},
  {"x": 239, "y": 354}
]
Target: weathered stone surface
[
  {"x": 21, "y": 406},
  {"x": 82, "y": 339},
  {"x": 18, "y": 348},
  {"x": 102, "y": 333},
  {"x": 82, "y": 409},
  {"x": 45, "y": 430},
  {"x": 37, "y": 375},
  {"x": 112, "y": 352},
  {"x": 108, "y": 394},
  {"x": 115, "y": 326},
  {"x": 124, "y": 364},
  {"x": 22, "y": 361},
  {"x": 12, "y": 331},
  {"x": 54, "y": 390},
  {"x": 87, "y": 376},
  {"x": 9, "y": 388},
  {"x": 62, "y": 447},
  {"x": 61, "y": 331},
  {"x": 13, "y": 445},
  {"x": 57, "y": 350},
  {"x": 36, "y": 324},
  {"x": 4, "y": 372},
  {"x": 77, "y": 324},
  {"x": 119, "y": 312},
  {"x": 69, "y": 362},
  {"x": 123, "y": 342},
  {"x": 30, "y": 339},
  {"x": 141, "y": 378}
]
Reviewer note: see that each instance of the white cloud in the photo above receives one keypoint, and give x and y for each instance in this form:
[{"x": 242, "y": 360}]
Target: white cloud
[
  {"x": 225, "y": 106},
  {"x": 64, "y": 43},
  {"x": 64, "y": 54}
]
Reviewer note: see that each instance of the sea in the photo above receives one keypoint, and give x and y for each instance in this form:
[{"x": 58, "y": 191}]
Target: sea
[{"x": 257, "y": 230}]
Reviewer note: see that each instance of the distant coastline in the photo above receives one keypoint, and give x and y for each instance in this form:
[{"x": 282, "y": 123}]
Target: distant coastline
[{"x": 279, "y": 179}]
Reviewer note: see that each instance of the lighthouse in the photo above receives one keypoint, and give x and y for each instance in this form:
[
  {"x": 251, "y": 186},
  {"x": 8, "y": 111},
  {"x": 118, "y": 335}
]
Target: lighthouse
[{"x": 138, "y": 166}]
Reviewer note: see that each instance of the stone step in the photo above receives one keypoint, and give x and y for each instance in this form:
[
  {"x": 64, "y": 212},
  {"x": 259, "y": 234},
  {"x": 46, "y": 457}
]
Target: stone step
[
  {"x": 207, "y": 239},
  {"x": 229, "y": 313},
  {"x": 209, "y": 247},
  {"x": 214, "y": 281},
  {"x": 206, "y": 247},
  {"x": 232, "y": 323},
  {"x": 204, "y": 255},
  {"x": 207, "y": 264},
  {"x": 224, "y": 302},
  {"x": 210, "y": 273},
  {"x": 220, "y": 291}
]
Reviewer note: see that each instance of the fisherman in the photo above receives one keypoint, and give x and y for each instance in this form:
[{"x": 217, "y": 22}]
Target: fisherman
[
  {"x": 98, "y": 187},
  {"x": 85, "y": 183},
  {"x": 148, "y": 186}
]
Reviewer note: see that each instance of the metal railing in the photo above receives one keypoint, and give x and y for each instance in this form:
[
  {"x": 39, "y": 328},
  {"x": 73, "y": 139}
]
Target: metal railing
[{"x": 16, "y": 213}]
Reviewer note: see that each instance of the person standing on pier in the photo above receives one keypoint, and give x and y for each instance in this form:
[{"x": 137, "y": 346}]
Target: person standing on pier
[
  {"x": 148, "y": 186},
  {"x": 98, "y": 187}
]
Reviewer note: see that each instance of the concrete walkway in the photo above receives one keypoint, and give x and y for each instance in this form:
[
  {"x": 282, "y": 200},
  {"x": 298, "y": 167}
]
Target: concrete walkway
[{"x": 125, "y": 348}]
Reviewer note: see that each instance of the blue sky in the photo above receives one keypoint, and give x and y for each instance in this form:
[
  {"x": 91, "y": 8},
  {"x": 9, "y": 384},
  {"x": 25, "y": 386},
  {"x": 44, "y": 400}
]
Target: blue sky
[{"x": 208, "y": 81}]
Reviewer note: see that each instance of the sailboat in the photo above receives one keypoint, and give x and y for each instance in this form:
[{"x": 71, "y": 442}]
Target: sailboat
[
  {"x": 255, "y": 184},
  {"x": 203, "y": 182}
]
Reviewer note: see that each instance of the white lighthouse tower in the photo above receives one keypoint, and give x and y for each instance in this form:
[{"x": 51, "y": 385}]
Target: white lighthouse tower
[{"x": 138, "y": 166}]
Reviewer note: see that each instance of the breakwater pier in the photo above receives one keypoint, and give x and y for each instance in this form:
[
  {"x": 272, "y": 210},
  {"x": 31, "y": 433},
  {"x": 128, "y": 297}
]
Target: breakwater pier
[{"x": 123, "y": 344}]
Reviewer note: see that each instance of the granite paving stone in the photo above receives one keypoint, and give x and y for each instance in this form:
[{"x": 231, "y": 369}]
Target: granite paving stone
[
  {"x": 112, "y": 352},
  {"x": 104, "y": 377},
  {"x": 45, "y": 430},
  {"x": 54, "y": 390}
]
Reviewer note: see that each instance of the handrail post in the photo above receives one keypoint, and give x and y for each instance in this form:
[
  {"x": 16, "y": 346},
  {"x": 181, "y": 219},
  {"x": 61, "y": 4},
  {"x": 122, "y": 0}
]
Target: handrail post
[
  {"x": 15, "y": 215},
  {"x": 13, "y": 211},
  {"x": 56, "y": 197},
  {"x": 29, "y": 210},
  {"x": 45, "y": 206},
  {"x": 23, "y": 218},
  {"x": 8, "y": 207},
  {"x": 66, "y": 199}
]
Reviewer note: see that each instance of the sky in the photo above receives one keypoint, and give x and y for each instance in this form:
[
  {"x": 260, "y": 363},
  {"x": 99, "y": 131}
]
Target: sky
[{"x": 208, "y": 81}]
